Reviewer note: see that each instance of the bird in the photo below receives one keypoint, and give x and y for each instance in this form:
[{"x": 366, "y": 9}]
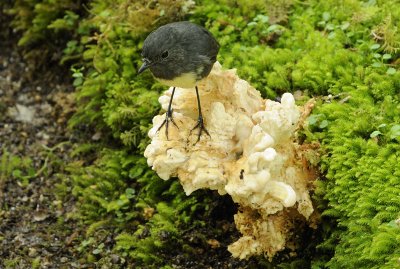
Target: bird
[{"x": 180, "y": 54}]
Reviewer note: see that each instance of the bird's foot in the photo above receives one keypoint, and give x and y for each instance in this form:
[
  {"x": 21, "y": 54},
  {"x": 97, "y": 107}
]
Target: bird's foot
[
  {"x": 168, "y": 118},
  {"x": 200, "y": 125}
]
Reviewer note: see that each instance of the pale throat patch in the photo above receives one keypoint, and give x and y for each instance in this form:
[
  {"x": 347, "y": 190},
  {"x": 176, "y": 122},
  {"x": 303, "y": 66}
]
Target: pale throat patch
[{"x": 187, "y": 80}]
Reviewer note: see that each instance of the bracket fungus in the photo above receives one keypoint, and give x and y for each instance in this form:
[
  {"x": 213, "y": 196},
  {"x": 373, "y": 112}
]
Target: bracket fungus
[{"x": 251, "y": 156}]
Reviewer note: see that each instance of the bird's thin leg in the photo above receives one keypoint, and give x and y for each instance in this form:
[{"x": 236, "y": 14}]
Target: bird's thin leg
[
  {"x": 200, "y": 123},
  {"x": 168, "y": 116}
]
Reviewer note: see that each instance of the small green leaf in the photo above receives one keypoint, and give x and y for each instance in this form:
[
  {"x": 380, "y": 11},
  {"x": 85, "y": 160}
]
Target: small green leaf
[
  {"x": 394, "y": 131},
  {"x": 77, "y": 82},
  {"x": 393, "y": 224},
  {"x": 375, "y": 46},
  {"x": 262, "y": 18},
  {"x": 105, "y": 13},
  {"x": 382, "y": 125},
  {"x": 312, "y": 120},
  {"x": 135, "y": 172},
  {"x": 377, "y": 64},
  {"x": 274, "y": 28},
  {"x": 332, "y": 35},
  {"x": 130, "y": 193},
  {"x": 121, "y": 202},
  {"x": 375, "y": 134},
  {"x": 326, "y": 16},
  {"x": 386, "y": 56},
  {"x": 345, "y": 25},
  {"x": 391, "y": 71},
  {"x": 323, "y": 124},
  {"x": 17, "y": 173},
  {"x": 31, "y": 172},
  {"x": 330, "y": 27},
  {"x": 377, "y": 55},
  {"x": 96, "y": 251}
]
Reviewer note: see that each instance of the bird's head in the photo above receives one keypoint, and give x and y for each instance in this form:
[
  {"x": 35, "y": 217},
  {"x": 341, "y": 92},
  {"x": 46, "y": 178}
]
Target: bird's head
[{"x": 161, "y": 54}]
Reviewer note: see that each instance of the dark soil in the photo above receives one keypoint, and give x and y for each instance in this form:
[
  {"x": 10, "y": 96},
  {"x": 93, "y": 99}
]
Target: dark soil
[{"x": 33, "y": 116}]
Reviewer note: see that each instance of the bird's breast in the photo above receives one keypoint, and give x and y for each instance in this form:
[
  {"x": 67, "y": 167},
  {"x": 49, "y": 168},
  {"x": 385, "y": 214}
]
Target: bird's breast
[{"x": 186, "y": 80}]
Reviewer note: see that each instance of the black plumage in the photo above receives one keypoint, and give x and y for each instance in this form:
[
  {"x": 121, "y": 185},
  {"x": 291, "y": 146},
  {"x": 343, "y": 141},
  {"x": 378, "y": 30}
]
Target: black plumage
[
  {"x": 180, "y": 54},
  {"x": 179, "y": 48}
]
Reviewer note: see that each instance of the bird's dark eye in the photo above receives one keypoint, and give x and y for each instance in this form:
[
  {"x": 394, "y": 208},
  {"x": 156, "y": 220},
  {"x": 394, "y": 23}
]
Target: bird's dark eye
[{"x": 164, "y": 54}]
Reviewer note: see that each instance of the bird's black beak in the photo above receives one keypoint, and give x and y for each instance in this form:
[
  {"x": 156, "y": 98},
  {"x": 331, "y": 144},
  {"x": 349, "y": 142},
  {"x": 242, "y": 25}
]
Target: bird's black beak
[{"x": 146, "y": 64}]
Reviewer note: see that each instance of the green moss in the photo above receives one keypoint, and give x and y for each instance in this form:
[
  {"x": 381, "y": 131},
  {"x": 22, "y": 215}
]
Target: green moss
[
  {"x": 114, "y": 194},
  {"x": 361, "y": 183},
  {"x": 11, "y": 263},
  {"x": 45, "y": 27},
  {"x": 13, "y": 167},
  {"x": 36, "y": 263}
]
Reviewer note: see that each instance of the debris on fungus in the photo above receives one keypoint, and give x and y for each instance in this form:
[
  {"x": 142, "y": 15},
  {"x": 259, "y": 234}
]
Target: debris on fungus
[{"x": 251, "y": 155}]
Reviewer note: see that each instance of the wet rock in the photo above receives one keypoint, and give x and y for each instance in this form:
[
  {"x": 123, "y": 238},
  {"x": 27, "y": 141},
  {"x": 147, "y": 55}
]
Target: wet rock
[
  {"x": 22, "y": 113},
  {"x": 40, "y": 216},
  {"x": 32, "y": 252},
  {"x": 115, "y": 258},
  {"x": 63, "y": 259},
  {"x": 96, "y": 136}
]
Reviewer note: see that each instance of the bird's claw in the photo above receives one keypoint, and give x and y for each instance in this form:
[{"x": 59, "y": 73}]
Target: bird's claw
[
  {"x": 168, "y": 118},
  {"x": 200, "y": 125}
]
